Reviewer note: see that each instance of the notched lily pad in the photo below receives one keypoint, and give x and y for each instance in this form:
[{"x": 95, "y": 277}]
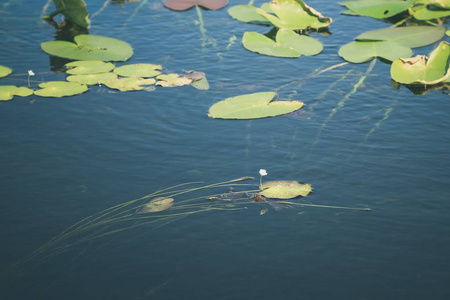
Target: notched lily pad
[
  {"x": 7, "y": 92},
  {"x": 171, "y": 80},
  {"x": 60, "y": 89},
  {"x": 90, "y": 47},
  {"x": 156, "y": 205},
  {"x": 187, "y": 4},
  {"x": 252, "y": 106},
  {"x": 129, "y": 83},
  {"x": 378, "y": 9},
  {"x": 4, "y": 71},
  {"x": 284, "y": 189},
  {"x": 423, "y": 70},
  {"x": 91, "y": 79},
  {"x": 362, "y": 51},
  {"x": 83, "y": 67},
  {"x": 138, "y": 70}
]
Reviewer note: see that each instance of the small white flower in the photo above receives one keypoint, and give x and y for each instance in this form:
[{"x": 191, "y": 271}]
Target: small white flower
[
  {"x": 262, "y": 172},
  {"x": 30, "y": 73}
]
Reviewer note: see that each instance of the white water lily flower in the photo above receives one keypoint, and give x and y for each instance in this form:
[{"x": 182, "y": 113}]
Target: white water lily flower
[
  {"x": 262, "y": 172},
  {"x": 30, "y": 73}
]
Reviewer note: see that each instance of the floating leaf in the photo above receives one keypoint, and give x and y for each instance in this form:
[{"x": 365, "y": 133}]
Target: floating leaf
[
  {"x": 138, "y": 70},
  {"x": 74, "y": 11},
  {"x": 378, "y": 9},
  {"x": 247, "y": 13},
  {"x": 129, "y": 83},
  {"x": 288, "y": 44},
  {"x": 60, "y": 89},
  {"x": 411, "y": 36},
  {"x": 295, "y": 15},
  {"x": 424, "y": 10},
  {"x": 252, "y": 106},
  {"x": 447, "y": 32},
  {"x": 7, "y": 92},
  {"x": 4, "y": 71},
  {"x": 90, "y": 79},
  {"x": 284, "y": 189},
  {"x": 156, "y": 205},
  {"x": 187, "y": 4},
  {"x": 88, "y": 67},
  {"x": 362, "y": 51},
  {"x": 423, "y": 70},
  {"x": 199, "y": 80},
  {"x": 171, "y": 80},
  {"x": 90, "y": 47}
]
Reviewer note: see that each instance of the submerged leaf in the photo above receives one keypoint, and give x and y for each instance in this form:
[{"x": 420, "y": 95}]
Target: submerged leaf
[
  {"x": 7, "y": 92},
  {"x": 156, "y": 205},
  {"x": 284, "y": 189},
  {"x": 88, "y": 67},
  {"x": 129, "y": 83},
  {"x": 138, "y": 70},
  {"x": 187, "y": 4},
  {"x": 90, "y": 47},
  {"x": 362, "y": 51},
  {"x": 171, "y": 80},
  {"x": 60, "y": 89},
  {"x": 252, "y": 106},
  {"x": 4, "y": 71},
  {"x": 423, "y": 70},
  {"x": 378, "y": 9},
  {"x": 91, "y": 79}
]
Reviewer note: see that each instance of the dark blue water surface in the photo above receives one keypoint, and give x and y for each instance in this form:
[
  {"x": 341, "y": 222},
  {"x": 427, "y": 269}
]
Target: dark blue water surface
[{"x": 64, "y": 159}]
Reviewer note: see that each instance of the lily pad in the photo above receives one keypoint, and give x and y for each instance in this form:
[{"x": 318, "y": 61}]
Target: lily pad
[
  {"x": 129, "y": 83},
  {"x": 4, "y": 71},
  {"x": 138, "y": 70},
  {"x": 156, "y": 205},
  {"x": 284, "y": 189},
  {"x": 288, "y": 44},
  {"x": 199, "y": 80},
  {"x": 411, "y": 36},
  {"x": 378, "y": 9},
  {"x": 187, "y": 4},
  {"x": 60, "y": 89},
  {"x": 88, "y": 67},
  {"x": 171, "y": 80},
  {"x": 294, "y": 15},
  {"x": 90, "y": 47},
  {"x": 362, "y": 51},
  {"x": 7, "y": 92},
  {"x": 247, "y": 13},
  {"x": 252, "y": 106},
  {"x": 74, "y": 11},
  {"x": 426, "y": 10},
  {"x": 422, "y": 69},
  {"x": 91, "y": 79}
]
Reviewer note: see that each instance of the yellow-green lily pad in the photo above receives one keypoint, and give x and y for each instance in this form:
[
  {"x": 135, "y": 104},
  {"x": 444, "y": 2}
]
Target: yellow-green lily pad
[
  {"x": 252, "y": 106},
  {"x": 90, "y": 47},
  {"x": 171, "y": 80},
  {"x": 91, "y": 79},
  {"x": 378, "y": 9},
  {"x": 156, "y": 205},
  {"x": 4, "y": 71},
  {"x": 60, "y": 89},
  {"x": 362, "y": 51},
  {"x": 83, "y": 67},
  {"x": 138, "y": 70},
  {"x": 7, "y": 92},
  {"x": 422, "y": 69},
  {"x": 427, "y": 10},
  {"x": 129, "y": 83},
  {"x": 247, "y": 13},
  {"x": 284, "y": 189}
]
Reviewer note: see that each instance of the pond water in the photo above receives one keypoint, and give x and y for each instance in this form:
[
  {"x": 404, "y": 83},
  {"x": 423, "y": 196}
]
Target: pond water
[{"x": 64, "y": 159}]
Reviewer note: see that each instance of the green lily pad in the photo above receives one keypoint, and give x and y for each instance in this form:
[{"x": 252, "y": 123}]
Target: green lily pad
[
  {"x": 73, "y": 10},
  {"x": 422, "y": 69},
  {"x": 411, "y": 36},
  {"x": 378, "y": 9},
  {"x": 288, "y": 44},
  {"x": 60, "y": 89},
  {"x": 362, "y": 51},
  {"x": 7, "y": 92},
  {"x": 4, "y": 71},
  {"x": 247, "y": 13},
  {"x": 294, "y": 15},
  {"x": 88, "y": 67},
  {"x": 156, "y": 205},
  {"x": 91, "y": 79},
  {"x": 445, "y": 4},
  {"x": 138, "y": 70},
  {"x": 424, "y": 10},
  {"x": 171, "y": 80},
  {"x": 252, "y": 106},
  {"x": 199, "y": 80},
  {"x": 90, "y": 47},
  {"x": 285, "y": 189},
  {"x": 447, "y": 32},
  {"x": 129, "y": 83}
]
